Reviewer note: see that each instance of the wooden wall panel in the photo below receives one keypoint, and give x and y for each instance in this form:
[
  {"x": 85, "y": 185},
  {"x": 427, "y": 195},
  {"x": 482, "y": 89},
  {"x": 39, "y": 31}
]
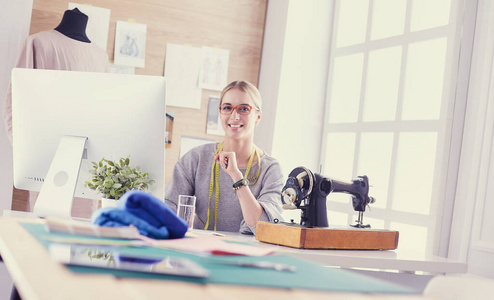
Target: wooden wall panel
[
  {"x": 19, "y": 199},
  {"x": 237, "y": 25}
]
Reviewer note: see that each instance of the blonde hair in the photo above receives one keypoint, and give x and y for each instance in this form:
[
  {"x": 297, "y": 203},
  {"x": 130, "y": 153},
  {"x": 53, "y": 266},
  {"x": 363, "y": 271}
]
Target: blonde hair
[{"x": 245, "y": 87}]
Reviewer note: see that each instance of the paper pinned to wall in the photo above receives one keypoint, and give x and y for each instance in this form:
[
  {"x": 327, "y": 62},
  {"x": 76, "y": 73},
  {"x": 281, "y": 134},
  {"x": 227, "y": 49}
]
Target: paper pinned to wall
[
  {"x": 182, "y": 65},
  {"x": 130, "y": 44},
  {"x": 214, "y": 68},
  {"x": 170, "y": 117},
  {"x": 98, "y": 23},
  {"x": 214, "y": 124},
  {"x": 112, "y": 68},
  {"x": 187, "y": 143}
]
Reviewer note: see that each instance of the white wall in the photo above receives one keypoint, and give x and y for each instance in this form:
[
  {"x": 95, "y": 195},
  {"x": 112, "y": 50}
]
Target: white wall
[
  {"x": 270, "y": 71},
  {"x": 294, "y": 69},
  {"x": 472, "y": 238},
  {"x": 15, "y": 20}
]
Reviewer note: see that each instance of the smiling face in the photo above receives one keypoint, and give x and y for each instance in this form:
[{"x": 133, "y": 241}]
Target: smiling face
[{"x": 239, "y": 126}]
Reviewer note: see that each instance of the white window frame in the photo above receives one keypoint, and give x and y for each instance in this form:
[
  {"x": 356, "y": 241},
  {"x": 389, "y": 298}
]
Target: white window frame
[{"x": 446, "y": 168}]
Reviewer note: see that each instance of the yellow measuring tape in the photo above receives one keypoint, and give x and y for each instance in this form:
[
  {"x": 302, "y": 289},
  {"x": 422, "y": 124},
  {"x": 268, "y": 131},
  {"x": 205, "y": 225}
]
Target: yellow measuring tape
[{"x": 215, "y": 174}]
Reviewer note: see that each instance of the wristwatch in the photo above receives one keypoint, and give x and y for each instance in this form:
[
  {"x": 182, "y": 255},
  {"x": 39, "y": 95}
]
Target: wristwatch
[{"x": 240, "y": 183}]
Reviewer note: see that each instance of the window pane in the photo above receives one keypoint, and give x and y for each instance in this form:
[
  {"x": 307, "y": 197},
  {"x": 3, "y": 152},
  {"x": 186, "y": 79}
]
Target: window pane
[
  {"x": 336, "y": 218},
  {"x": 345, "y": 88},
  {"x": 352, "y": 22},
  {"x": 414, "y": 172},
  {"x": 411, "y": 237},
  {"x": 424, "y": 80},
  {"x": 383, "y": 78},
  {"x": 338, "y": 160},
  {"x": 374, "y": 223},
  {"x": 375, "y": 162},
  {"x": 429, "y": 14},
  {"x": 388, "y": 18}
]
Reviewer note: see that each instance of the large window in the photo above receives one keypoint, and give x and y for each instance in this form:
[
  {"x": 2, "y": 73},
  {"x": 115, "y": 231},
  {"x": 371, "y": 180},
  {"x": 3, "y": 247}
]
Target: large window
[{"x": 390, "y": 101}]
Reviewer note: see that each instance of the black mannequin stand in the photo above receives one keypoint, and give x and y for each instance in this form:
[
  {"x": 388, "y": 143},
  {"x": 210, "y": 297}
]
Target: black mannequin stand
[{"x": 73, "y": 25}]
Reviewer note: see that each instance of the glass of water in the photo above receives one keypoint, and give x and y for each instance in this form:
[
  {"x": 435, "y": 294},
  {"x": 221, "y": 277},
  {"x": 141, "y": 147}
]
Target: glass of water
[{"x": 186, "y": 209}]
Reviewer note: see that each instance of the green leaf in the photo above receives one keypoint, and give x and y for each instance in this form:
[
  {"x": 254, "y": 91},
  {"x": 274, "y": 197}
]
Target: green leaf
[
  {"x": 114, "y": 178},
  {"x": 108, "y": 183}
]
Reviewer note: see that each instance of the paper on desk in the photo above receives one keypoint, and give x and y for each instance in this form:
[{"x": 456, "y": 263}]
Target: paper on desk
[
  {"x": 210, "y": 245},
  {"x": 93, "y": 241},
  {"x": 87, "y": 229}
]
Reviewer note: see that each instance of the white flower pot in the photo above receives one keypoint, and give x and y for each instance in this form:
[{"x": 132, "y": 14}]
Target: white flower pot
[{"x": 105, "y": 202}]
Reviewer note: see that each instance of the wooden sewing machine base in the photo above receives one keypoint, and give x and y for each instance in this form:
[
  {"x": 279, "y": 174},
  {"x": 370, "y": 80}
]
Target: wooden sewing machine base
[{"x": 296, "y": 236}]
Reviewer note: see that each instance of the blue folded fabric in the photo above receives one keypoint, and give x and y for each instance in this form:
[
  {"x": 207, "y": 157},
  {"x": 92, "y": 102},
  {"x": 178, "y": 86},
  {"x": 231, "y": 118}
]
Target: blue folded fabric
[
  {"x": 151, "y": 216},
  {"x": 116, "y": 217},
  {"x": 147, "y": 207}
]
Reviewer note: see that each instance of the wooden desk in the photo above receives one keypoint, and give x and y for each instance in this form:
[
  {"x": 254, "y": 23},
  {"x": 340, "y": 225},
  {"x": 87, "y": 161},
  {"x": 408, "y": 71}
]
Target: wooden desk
[
  {"x": 396, "y": 260},
  {"x": 36, "y": 276}
]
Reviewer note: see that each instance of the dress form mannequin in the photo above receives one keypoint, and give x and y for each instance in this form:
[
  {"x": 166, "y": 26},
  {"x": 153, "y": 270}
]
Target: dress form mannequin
[{"x": 73, "y": 25}]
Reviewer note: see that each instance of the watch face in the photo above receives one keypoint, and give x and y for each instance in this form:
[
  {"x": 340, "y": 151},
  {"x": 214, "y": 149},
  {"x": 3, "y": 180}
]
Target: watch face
[{"x": 240, "y": 183}]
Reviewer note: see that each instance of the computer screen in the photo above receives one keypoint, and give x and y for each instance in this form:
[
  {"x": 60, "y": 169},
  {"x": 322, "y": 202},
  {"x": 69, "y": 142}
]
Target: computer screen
[{"x": 108, "y": 115}]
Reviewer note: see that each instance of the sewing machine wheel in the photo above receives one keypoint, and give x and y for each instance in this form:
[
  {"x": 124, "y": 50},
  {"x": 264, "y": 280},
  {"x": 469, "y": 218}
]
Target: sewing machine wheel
[
  {"x": 289, "y": 197},
  {"x": 298, "y": 186}
]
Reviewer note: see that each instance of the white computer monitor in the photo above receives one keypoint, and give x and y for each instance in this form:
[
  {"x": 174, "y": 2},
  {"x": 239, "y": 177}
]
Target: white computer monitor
[{"x": 107, "y": 115}]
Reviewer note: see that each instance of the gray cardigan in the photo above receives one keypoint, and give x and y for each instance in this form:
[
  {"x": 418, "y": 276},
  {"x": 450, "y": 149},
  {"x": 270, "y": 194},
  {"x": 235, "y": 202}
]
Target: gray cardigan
[{"x": 192, "y": 175}]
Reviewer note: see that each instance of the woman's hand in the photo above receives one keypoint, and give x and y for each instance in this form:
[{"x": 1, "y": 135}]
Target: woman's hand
[
  {"x": 251, "y": 209},
  {"x": 228, "y": 161}
]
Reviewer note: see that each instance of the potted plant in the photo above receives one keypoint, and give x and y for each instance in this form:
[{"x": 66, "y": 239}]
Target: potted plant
[{"x": 114, "y": 178}]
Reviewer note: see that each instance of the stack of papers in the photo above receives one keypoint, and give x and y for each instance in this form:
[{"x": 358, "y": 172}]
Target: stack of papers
[
  {"x": 88, "y": 229},
  {"x": 78, "y": 232},
  {"x": 211, "y": 244}
]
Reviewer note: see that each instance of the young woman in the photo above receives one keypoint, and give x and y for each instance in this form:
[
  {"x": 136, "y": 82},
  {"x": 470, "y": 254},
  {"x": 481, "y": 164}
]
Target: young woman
[{"x": 236, "y": 183}]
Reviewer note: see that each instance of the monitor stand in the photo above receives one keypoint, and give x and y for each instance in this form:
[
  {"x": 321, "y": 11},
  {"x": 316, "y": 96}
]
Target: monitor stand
[{"x": 57, "y": 192}]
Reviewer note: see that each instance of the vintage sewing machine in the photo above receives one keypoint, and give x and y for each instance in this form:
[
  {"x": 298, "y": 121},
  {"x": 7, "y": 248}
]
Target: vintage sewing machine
[{"x": 308, "y": 192}]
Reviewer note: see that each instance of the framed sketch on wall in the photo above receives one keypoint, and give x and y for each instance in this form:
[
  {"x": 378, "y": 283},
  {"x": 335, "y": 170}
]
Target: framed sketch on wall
[
  {"x": 214, "y": 68},
  {"x": 170, "y": 117},
  {"x": 130, "y": 44},
  {"x": 213, "y": 125},
  {"x": 120, "y": 69},
  {"x": 182, "y": 65}
]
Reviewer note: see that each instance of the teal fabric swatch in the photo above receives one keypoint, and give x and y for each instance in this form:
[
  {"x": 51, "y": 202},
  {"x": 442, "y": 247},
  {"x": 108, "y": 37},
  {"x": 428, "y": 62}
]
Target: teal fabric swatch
[{"x": 308, "y": 275}]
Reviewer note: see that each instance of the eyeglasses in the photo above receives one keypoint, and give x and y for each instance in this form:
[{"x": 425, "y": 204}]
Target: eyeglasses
[{"x": 242, "y": 109}]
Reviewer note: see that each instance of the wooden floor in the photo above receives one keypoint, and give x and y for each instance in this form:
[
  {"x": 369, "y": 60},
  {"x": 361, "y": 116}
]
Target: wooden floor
[{"x": 19, "y": 199}]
